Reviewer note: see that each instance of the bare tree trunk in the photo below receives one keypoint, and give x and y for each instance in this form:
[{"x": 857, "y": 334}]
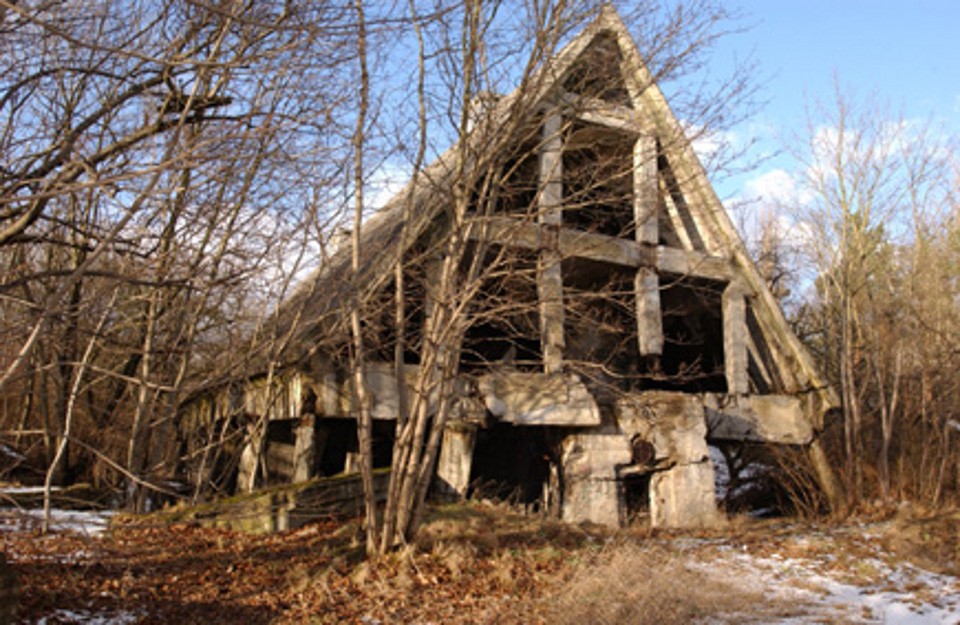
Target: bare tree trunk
[
  {"x": 68, "y": 417},
  {"x": 390, "y": 509},
  {"x": 363, "y": 401}
]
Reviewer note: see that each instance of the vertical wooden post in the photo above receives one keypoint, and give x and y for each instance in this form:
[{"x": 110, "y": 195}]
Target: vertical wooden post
[
  {"x": 735, "y": 338},
  {"x": 549, "y": 275},
  {"x": 646, "y": 202}
]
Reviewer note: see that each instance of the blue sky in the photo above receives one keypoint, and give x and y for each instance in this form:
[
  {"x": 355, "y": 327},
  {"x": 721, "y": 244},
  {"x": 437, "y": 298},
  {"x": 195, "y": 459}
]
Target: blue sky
[{"x": 906, "y": 53}]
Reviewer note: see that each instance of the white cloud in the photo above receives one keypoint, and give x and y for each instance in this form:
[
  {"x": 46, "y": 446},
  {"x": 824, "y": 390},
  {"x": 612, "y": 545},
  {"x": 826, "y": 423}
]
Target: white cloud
[
  {"x": 768, "y": 202},
  {"x": 775, "y": 187},
  {"x": 710, "y": 146}
]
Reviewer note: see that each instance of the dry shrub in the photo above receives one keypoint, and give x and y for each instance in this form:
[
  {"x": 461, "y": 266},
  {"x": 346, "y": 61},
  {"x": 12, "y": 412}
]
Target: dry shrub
[
  {"x": 627, "y": 584},
  {"x": 930, "y": 540},
  {"x": 799, "y": 490}
]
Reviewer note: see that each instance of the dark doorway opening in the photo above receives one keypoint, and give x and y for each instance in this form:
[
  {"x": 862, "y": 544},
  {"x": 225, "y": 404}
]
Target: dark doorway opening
[
  {"x": 512, "y": 463},
  {"x": 635, "y": 489}
]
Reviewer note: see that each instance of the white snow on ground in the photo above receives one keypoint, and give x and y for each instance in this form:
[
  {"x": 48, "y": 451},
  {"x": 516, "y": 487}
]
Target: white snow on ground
[
  {"x": 74, "y": 616},
  {"x": 26, "y": 490},
  {"x": 905, "y": 596},
  {"x": 89, "y": 523},
  {"x": 819, "y": 588}
]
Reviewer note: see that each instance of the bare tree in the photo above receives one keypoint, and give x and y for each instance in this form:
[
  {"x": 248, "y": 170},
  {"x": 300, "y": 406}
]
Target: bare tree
[
  {"x": 877, "y": 184},
  {"x": 151, "y": 148}
]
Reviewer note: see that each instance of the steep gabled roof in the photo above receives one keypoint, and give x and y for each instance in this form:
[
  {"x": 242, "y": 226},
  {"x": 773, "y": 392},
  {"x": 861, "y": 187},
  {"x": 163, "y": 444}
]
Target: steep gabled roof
[
  {"x": 644, "y": 108},
  {"x": 323, "y": 292}
]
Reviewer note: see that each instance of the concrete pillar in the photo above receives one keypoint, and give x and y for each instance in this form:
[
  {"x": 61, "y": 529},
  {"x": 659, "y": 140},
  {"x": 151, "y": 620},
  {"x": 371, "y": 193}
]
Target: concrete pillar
[
  {"x": 649, "y": 314},
  {"x": 591, "y": 491},
  {"x": 303, "y": 449},
  {"x": 549, "y": 277},
  {"x": 646, "y": 195},
  {"x": 733, "y": 304},
  {"x": 684, "y": 496},
  {"x": 456, "y": 458},
  {"x": 250, "y": 458},
  {"x": 682, "y": 488},
  {"x": 351, "y": 463}
]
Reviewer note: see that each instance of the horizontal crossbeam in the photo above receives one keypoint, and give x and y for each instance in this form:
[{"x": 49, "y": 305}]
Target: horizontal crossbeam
[{"x": 512, "y": 232}]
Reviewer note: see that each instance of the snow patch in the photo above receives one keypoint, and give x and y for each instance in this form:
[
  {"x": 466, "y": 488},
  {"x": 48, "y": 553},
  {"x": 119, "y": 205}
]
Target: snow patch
[
  {"x": 76, "y": 616},
  {"x": 89, "y": 523},
  {"x": 823, "y": 592},
  {"x": 26, "y": 490}
]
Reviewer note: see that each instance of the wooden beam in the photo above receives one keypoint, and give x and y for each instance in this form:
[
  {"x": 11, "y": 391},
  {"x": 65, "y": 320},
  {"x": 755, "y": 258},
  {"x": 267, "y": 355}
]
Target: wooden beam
[
  {"x": 646, "y": 195},
  {"x": 549, "y": 276},
  {"x": 735, "y": 352}
]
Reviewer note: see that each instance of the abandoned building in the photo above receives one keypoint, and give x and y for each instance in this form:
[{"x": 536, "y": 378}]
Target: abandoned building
[{"x": 618, "y": 325}]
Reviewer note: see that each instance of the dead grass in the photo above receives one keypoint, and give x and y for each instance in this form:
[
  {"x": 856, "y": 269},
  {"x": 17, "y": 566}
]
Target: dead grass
[
  {"x": 930, "y": 540},
  {"x": 626, "y": 583}
]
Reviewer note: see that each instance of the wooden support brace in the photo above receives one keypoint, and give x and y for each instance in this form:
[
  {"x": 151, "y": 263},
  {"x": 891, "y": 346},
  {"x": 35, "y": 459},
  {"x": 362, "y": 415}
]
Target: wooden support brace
[
  {"x": 735, "y": 338},
  {"x": 649, "y": 319}
]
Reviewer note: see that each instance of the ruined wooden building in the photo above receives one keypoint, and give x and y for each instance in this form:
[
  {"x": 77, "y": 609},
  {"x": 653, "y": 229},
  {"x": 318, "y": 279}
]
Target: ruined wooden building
[{"x": 617, "y": 324}]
